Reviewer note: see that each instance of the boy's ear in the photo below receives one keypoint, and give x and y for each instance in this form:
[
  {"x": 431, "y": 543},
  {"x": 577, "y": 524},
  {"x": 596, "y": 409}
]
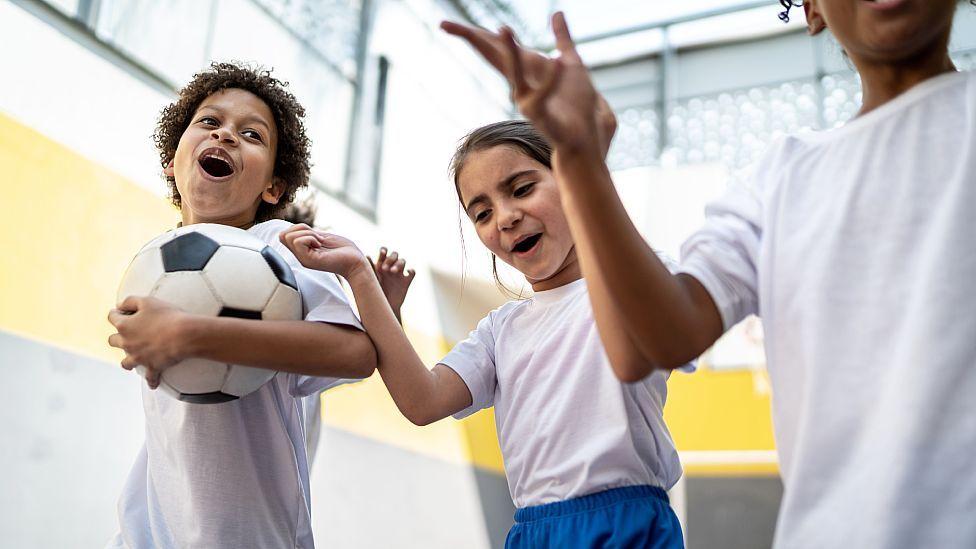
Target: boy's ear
[
  {"x": 272, "y": 194},
  {"x": 168, "y": 170},
  {"x": 815, "y": 21}
]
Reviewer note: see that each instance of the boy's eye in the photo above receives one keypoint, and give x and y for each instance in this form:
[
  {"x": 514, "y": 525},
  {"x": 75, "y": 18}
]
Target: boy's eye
[
  {"x": 481, "y": 216},
  {"x": 252, "y": 134},
  {"x": 208, "y": 121},
  {"x": 523, "y": 190}
]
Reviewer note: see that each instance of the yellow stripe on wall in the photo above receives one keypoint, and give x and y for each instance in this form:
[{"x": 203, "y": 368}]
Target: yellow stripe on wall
[
  {"x": 70, "y": 229},
  {"x": 71, "y": 226}
]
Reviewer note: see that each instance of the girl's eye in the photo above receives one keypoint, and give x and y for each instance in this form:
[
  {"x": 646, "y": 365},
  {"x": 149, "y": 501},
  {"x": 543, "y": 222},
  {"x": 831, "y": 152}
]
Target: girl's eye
[
  {"x": 252, "y": 134},
  {"x": 481, "y": 216},
  {"x": 524, "y": 190},
  {"x": 206, "y": 120}
]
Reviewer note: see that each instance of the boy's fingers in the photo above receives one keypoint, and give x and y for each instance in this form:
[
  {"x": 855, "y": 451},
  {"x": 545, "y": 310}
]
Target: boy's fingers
[
  {"x": 117, "y": 317},
  {"x": 517, "y": 78},
  {"x": 131, "y": 303},
  {"x": 564, "y": 40},
  {"x": 479, "y": 39},
  {"x": 533, "y": 104},
  {"x": 410, "y": 274},
  {"x": 390, "y": 260},
  {"x": 381, "y": 257},
  {"x": 398, "y": 266},
  {"x": 115, "y": 340},
  {"x": 129, "y": 363}
]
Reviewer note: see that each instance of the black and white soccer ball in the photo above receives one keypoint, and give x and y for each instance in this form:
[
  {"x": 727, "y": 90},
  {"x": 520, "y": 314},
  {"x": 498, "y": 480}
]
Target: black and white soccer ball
[{"x": 214, "y": 270}]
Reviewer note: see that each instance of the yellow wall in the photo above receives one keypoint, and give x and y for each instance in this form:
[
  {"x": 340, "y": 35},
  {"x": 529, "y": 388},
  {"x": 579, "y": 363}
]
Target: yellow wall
[{"x": 71, "y": 227}]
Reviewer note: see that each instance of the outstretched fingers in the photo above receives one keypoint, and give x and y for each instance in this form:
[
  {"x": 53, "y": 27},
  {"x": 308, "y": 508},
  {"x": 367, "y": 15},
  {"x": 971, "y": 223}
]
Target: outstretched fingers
[{"x": 564, "y": 40}]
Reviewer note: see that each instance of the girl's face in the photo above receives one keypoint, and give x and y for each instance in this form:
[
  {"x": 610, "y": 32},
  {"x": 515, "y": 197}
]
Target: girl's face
[
  {"x": 883, "y": 31},
  {"x": 514, "y": 204},
  {"x": 224, "y": 163}
]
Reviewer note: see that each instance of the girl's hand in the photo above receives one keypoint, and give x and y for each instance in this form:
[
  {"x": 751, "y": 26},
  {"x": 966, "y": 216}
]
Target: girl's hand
[
  {"x": 149, "y": 331},
  {"x": 394, "y": 278},
  {"x": 323, "y": 251},
  {"x": 555, "y": 94}
]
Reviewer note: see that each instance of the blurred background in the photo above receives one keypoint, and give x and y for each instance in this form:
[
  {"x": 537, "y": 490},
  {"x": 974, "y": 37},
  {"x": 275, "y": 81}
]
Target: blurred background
[{"x": 699, "y": 89}]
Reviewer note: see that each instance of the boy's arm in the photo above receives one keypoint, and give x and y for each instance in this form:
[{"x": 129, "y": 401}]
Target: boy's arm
[
  {"x": 670, "y": 319},
  {"x": 157, "y": 335},
  {"x": 422, "y": 395}
]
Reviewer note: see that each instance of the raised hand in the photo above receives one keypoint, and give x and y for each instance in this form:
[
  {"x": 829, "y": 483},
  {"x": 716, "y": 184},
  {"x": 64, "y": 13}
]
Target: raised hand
[
  {"x": 394, "y": 278},
  {"x": 555, "y": 94},
  {"x": 323, "y": 251}
]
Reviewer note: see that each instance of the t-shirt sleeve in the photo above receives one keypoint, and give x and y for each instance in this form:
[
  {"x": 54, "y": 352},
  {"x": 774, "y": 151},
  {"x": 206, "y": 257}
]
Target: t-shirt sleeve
[
  {"x": 474, "y": 361},
  {"x": 692, "y": 365},
  {"x": 322, "y": 301},
  {"x": 722, "y": 255}
]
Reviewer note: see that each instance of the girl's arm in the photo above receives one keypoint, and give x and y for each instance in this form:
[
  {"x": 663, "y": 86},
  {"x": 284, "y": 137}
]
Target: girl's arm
[
  {"x": 158, "y": 335},
  {"x": 669, "y": 319},
  {"x": 422, "y": 395}
]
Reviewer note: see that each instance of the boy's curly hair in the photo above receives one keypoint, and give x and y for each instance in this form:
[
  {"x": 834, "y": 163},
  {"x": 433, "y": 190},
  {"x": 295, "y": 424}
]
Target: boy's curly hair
[{"x": 291, "y": 164}]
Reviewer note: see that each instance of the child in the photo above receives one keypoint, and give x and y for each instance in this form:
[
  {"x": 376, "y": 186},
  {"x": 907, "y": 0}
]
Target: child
[
  {"x": 856, "y": 248},
  {"x": 588, "y": 458},
  {"x": 235, "y": 474}
]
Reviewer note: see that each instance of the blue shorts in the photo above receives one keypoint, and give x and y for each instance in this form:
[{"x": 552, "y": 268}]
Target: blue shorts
[{"x": 628, "y": 517}]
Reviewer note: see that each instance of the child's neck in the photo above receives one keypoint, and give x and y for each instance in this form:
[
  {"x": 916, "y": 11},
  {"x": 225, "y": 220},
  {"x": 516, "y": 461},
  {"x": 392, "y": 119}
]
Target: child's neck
[
  {"x": 245, "y": 221},
  {"x": 883, "y": 81}
]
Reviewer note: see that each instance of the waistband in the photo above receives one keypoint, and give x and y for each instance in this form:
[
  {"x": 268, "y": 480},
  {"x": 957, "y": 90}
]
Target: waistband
[{"x": 589, "y": 502}]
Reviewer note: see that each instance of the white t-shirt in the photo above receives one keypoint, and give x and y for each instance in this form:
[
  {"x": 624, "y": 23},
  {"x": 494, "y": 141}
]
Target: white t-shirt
[
  {"x": 857, "y": 247},
  {"x": 232, "y": 474},
  {"x": 566, "y": 425}
]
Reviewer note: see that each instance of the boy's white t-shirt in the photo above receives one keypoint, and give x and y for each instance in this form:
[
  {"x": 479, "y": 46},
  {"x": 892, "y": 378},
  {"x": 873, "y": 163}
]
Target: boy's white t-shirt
[
  {"x": 232, "y": 474},
  {"x": 566, "y": 425},
  {"x": 857, "y": 247}
]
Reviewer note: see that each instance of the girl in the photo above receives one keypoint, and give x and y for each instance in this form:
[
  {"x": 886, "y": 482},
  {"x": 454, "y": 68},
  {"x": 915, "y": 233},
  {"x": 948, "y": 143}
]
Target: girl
[
  {"x": 588, "y": 458},
  {"x": 856, "y": 248}
]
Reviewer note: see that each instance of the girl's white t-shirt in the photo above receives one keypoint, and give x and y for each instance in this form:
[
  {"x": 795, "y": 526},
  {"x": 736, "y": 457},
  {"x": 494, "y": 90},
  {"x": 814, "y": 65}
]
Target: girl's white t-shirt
[
  {"x": 233, "y": 474},
  {"x": 857, "y": 248},
  {"x": 566, "y": 425}
]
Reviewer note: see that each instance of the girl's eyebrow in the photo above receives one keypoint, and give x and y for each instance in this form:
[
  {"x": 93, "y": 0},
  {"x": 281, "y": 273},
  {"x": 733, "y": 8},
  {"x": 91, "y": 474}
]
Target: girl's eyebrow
[{"x": 502, "y": 185}]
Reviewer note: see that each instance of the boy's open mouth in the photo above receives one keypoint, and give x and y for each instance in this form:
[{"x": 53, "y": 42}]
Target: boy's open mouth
[
  {"x": 216, "y": 163},
  {"x": 526, "y": 243}
]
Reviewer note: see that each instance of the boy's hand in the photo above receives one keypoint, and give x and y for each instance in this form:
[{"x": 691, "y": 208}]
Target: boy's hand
[
  {"x": 149, "y": 331},
  {"x": 323, "y": 251},
  {"x": 394, "y": 278},
  {"x": 555, "y": 94}
]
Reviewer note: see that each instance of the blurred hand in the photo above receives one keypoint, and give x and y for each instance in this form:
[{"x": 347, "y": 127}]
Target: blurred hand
[
  {"x": 394, "y": 278},
  {"x": 323, "y": 251},
  {"x": 556, "y": 95},
  {"x": 149, "y": 333}
]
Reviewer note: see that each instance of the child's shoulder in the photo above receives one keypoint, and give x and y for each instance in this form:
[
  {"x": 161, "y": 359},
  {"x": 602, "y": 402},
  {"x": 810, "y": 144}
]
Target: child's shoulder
[{"x": 269, "y": 230}]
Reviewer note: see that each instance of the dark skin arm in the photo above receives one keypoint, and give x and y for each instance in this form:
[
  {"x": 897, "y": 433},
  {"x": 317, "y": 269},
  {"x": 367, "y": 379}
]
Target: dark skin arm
[
  {"x": 157, "y": 335},
  {"x": 670, "y": 319}
]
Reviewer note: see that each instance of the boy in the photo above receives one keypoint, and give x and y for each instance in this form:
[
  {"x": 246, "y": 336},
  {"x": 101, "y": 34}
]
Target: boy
[
  {"x": 234, "y": 151},
  {"x": 856, "y": 248}
]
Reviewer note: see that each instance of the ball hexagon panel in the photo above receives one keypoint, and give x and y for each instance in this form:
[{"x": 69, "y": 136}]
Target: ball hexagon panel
[
  {"x": 285, "y": 304},
  {"x": 241, "y": 278},
  {"x": 280, "y": 268},
  {"x": 227, "y": 236},
  {"x": 141, "y": 276},
  {"x": 243, "y": 380},
  {"x": 188, "y": 252},
  {"x": 189, "y": 291},
  {"x": 196, "y": 376}
]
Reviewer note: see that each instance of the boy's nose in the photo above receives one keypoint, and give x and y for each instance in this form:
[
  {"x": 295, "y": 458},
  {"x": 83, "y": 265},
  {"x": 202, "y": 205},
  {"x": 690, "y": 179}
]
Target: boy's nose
[{"x": 223, "y": 136}]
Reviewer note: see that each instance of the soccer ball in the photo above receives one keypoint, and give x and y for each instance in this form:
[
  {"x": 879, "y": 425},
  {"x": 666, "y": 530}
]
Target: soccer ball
[{"x": 213, "y": 270}]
